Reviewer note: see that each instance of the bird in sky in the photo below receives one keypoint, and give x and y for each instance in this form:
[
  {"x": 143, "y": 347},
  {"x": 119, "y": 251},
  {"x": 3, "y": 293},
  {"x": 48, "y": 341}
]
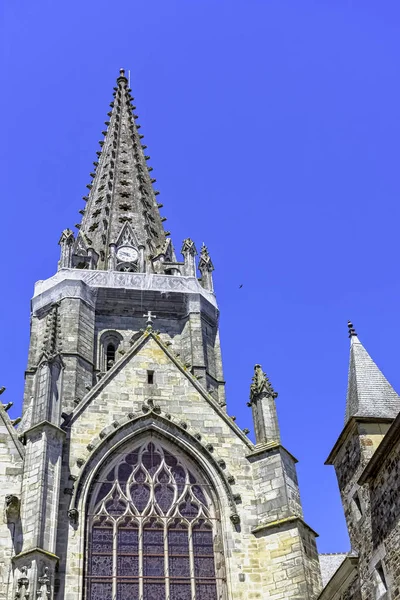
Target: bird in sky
[{"x": 240, "y": 286}]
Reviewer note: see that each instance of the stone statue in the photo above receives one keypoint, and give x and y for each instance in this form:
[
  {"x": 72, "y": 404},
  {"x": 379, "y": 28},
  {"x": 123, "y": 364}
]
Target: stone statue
[
  {"x": 44, "y": 587},
  {"x": 22, "y": 592}
]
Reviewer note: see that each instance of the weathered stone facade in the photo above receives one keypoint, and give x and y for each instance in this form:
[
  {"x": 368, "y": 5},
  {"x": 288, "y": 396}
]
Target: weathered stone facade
[{"x": 124, "y": 360}]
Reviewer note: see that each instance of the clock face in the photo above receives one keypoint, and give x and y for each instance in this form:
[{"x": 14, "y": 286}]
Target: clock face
[{"x": 127, "y": 254}]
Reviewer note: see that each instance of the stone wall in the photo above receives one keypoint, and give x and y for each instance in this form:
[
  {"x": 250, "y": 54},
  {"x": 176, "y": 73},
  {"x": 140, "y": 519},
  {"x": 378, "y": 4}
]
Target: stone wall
[
  {"x": 11, "y": 469},
  {"x": 119, "y": 411},
  {"x": 384, "y": 499}
]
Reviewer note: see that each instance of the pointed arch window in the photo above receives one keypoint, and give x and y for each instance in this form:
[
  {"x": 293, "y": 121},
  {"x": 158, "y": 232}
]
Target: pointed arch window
[{"x": 151, "y": 530}]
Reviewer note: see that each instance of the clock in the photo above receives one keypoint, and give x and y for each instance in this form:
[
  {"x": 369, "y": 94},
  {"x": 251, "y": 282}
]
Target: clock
[{"x": 127, "y": 254}]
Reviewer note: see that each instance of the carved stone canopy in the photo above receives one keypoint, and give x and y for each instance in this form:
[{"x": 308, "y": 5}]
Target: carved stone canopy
[{"x": 261, "y": 385}]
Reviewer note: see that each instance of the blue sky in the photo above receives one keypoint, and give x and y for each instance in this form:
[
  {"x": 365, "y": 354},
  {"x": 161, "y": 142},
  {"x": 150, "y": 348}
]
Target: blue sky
[{"x": 274, "y": 129}]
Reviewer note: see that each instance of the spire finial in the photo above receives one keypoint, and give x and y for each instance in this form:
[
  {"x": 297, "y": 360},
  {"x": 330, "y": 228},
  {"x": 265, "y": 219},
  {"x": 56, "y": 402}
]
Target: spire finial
[
  {"x": 260, "y": 383},
  {"x": 352, "y": 331},
  {"x": 122, "y": 76}
]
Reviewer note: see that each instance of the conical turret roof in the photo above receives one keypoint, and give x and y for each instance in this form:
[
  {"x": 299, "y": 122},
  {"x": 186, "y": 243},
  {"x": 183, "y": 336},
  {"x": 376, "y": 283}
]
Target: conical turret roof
[
  {"x": 369, "y": 394},
  {"x": 121, "y": 205}
]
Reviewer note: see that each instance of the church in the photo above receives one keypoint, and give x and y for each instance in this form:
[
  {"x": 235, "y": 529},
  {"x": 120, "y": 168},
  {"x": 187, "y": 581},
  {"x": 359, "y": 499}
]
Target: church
[{"x": 125, "y": 478}]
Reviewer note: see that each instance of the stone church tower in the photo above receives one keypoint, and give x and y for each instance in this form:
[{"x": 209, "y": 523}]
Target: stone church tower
[{"x": 126, "y": 478}]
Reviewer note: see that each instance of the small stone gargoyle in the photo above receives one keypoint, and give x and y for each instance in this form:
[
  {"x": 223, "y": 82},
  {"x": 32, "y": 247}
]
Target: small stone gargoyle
[{"x": 11, "y": 509}]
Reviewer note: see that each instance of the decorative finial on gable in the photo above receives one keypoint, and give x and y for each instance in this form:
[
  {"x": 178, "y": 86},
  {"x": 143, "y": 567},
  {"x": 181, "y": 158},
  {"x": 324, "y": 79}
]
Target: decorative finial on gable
[
  {"x": 122, "y": 72},
  {"x": 261, "y": 384},
  {"x": 149, "y": 316},
  {"x": 352, "y": 331}
]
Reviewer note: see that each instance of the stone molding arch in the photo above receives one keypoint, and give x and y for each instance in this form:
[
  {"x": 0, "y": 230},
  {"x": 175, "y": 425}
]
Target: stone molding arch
[{"x": 175, "y": 434}]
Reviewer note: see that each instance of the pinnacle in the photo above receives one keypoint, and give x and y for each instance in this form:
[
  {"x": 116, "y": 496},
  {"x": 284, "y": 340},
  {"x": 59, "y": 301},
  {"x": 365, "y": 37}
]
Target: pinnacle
[{"x": 261, "y": 384}]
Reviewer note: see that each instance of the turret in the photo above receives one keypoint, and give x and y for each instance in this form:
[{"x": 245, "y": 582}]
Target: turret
[{"x": 371, "y": 406}]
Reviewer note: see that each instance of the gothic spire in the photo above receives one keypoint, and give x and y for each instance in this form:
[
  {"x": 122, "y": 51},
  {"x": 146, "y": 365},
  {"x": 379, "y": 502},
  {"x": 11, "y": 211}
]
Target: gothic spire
[
  {"x": 369, "y": 394},
  {"x": 121, "y": 207}
]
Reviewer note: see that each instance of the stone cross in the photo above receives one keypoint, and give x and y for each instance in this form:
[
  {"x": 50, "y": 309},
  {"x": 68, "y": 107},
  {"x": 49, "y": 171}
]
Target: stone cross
[{"x": 150, "y": 318}]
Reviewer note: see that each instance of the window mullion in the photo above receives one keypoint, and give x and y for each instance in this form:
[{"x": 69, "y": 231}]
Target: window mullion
[
  {"x": 140, "y": 559},
  {"x": 166, "y": 561},
  {"x": 191, "y": 560},
  {"x": 114, "y": 568}
]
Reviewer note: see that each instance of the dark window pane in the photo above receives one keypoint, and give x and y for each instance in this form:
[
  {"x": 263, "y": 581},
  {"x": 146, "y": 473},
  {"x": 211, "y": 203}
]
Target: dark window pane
[
  {"x": 140, "y": 476},
  {"x": 127, "y": 590},
  {"x": 104, "y": 490},
  {"x": 153, "y": 590},
  {"x": 204, "y": 566},
  {"x": 102, "y": 539},
  {"x": 163, "y": 476},
  {"x": 179, "y": 566},
  {"x": 115, "y": 506},
  {"x": 188, "y": 509},
  {"x": 100, "y": 590},
  {"x": 128, "y": 540},
  {"x": 202, "y": 542},
  {"x": 153, "y": 566},
  {"x": 127, "y": 566},
  {"x": 153, "y": 541},
  {"x": 180, "y": 591},
  {"x": 140, "y": 496},
  {"x": 132, "y": 457},
  {"x": 198, "y": 492},
  {"x": 124, "y": 471},
  {"x": 151, "y": 459},
  {"x": 164, "y": 496},
  {"x": 180, "y": 478},
  {"x": 170, "y": 459},
  {"x": 101, "y": 565},
  {"x": 206, "y": 591},
  {"x": 178, "y": 542}
]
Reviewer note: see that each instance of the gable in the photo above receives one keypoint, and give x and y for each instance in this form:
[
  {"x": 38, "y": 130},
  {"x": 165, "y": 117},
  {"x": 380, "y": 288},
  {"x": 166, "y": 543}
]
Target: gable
[{"x": 125, "y": 391}]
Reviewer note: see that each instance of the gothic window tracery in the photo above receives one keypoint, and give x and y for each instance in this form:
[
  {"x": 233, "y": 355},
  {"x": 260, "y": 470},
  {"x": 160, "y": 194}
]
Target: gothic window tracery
[{"x": 151, "y": 530}]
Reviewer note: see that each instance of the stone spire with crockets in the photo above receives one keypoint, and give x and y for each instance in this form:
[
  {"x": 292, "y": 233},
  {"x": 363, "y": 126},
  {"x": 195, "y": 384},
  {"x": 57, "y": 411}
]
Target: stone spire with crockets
[{"x": 121, "y": 226}]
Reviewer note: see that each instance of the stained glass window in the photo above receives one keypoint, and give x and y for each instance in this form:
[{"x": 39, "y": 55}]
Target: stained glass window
[{"x": 151, "y": 530}]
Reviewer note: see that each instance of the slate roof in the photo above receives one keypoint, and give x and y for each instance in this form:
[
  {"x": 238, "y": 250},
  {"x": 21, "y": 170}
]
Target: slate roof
[
  {"x": 329, "y": 564},
  {"x": 369, "y": 394}
]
